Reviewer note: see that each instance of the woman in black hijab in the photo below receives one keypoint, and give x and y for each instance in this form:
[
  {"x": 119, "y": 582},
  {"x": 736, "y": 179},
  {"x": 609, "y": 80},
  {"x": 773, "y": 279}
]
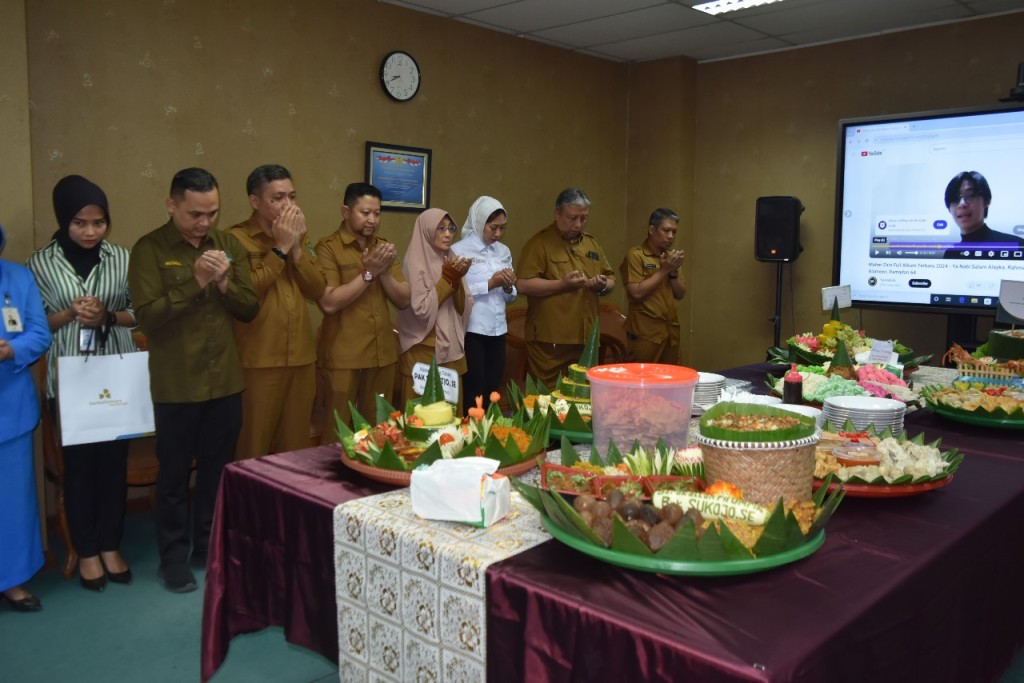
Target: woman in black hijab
[{"x": 83, "y": 280}]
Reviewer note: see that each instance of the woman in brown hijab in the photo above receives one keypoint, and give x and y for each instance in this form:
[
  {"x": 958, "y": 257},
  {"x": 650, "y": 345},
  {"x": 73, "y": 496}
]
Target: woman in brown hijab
[{"x": 434, "y": 324}]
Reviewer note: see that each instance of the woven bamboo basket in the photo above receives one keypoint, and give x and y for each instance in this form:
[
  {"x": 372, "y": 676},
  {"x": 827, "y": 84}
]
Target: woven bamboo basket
[{"x": 765, "y": 471}]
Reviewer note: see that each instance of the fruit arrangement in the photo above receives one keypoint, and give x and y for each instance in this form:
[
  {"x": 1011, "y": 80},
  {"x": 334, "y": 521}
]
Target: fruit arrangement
[
  {"x": 428, "y": 431},
  {"x": 820, "y": 348}
]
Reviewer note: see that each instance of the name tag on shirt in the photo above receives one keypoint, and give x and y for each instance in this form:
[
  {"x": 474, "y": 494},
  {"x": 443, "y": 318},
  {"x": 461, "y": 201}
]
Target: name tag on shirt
[
  {"x": 593, "y": 256},
  {"x": 650, "y": 266},
  {"x": 86, "y": 340},
  {"x": 12, "y": 319}
]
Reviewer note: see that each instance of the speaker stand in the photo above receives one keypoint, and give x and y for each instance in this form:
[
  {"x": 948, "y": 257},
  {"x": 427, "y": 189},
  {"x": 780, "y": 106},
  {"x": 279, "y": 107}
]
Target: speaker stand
[{"x": 776, "y": 319}]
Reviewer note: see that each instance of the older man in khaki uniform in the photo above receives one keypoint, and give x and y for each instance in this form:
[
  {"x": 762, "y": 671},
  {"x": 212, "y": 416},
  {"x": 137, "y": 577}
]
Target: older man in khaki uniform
[
  {"x": 277, "y": 348},
  {"x": 562, "y": 272},
  {"x": 358, "y": 346},
  {"x": 653, "y": 283}
]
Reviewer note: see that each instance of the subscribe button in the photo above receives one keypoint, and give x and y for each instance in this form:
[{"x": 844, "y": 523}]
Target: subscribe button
[{"x": 922, "y": 284}]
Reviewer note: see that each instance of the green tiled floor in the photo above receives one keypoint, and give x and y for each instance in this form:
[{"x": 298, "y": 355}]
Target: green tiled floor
[{"x": 135, "y": 633}]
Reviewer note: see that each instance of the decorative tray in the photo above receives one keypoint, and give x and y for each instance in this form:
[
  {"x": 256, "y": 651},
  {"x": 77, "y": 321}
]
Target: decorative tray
[
  {"x": 402, "y": 478},
  {"x": 882, "y": 491},
  {"x": 905, "y": 485},
  {"x": 1008, "y": 413},
  {"x": 977, "y": 417},
  {"x": 681, "y": 567}
]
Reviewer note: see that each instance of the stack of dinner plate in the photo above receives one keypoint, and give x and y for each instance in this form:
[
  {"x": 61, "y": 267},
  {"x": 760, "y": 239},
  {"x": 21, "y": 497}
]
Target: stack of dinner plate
[
  {"x": 709, "y": 388},
  {"x": 862, "y": 411}
]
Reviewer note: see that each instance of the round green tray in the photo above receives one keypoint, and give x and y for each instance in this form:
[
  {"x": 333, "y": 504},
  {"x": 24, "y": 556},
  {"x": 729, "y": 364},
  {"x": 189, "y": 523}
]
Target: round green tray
[
  {"x": 660, "y": 566},
  {"x": 977, "y": 417}
]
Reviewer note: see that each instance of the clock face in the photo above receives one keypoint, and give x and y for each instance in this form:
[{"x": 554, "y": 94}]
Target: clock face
[{"x": 400, "y": 76}]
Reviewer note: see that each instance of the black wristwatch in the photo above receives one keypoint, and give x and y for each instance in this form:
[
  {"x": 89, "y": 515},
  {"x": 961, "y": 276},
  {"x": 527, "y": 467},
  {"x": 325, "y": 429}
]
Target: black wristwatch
[{"x": 284, "y": 256}]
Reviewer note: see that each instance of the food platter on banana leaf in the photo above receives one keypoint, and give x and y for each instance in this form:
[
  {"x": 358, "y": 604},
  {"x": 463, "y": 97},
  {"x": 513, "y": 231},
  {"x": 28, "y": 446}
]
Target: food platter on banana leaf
[{"x": 873, "y": 464}]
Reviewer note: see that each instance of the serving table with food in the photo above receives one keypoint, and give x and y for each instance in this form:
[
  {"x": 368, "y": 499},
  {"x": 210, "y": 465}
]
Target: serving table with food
[{"x": 901, "y": 588}]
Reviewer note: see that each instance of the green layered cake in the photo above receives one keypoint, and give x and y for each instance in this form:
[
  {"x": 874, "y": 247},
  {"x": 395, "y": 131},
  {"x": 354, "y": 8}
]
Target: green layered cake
[{"x": 1006, "y": 344}]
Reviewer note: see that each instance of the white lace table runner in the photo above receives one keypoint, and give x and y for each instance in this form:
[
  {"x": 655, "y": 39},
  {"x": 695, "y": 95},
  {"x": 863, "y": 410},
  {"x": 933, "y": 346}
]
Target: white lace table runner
[{"x": 411, "y": 592}]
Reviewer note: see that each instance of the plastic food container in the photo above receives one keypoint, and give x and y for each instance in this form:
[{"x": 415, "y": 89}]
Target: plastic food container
[{"x": 641, "y": 402}]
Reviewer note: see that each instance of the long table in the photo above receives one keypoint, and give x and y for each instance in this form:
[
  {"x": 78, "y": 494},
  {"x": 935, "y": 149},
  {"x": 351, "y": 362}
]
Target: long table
[
  {"x": 271, "y": 557},
  {"x": 921, "y": 588}
]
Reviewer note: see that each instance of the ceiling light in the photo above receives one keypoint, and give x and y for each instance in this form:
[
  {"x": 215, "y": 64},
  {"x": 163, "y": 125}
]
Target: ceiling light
[{"x": 720, "y": 6}]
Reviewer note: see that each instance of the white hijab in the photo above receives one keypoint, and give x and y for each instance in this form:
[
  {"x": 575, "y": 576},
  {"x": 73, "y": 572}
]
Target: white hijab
[{"x": 481, "y": 210}]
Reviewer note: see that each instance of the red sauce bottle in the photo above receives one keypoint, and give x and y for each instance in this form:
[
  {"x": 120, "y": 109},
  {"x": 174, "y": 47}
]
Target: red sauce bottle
[{"x": 793, "y": 387}]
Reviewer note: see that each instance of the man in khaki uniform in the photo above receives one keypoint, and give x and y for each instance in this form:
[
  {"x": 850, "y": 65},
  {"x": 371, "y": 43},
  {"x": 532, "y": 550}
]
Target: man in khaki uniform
[
  {"x": 276, "y": 348},
  {"x": 562, "y": 272},
  {"x": 650, "y": 271},
  {"x": 358, "y": 346}
]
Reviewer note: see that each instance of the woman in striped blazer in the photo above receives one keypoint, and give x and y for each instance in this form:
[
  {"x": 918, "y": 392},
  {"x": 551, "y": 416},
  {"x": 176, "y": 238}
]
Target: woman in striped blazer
[{"x": 83, "y": 280}]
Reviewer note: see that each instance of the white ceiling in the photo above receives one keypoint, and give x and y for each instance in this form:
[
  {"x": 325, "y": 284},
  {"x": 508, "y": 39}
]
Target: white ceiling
[{"x": 640, "y": 30}]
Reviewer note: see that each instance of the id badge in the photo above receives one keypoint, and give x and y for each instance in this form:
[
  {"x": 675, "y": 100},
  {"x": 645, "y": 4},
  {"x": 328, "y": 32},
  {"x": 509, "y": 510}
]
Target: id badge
[
  {"x": 12, "y": 319},
  {"x": 87, "y": 340}
]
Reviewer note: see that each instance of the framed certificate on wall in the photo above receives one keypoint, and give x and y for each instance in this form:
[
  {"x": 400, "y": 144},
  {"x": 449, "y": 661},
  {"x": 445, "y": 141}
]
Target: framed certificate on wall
[{"x": 402, "y": 174}]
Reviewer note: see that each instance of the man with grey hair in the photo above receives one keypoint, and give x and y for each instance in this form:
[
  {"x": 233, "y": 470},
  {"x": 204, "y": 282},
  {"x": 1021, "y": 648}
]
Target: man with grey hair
[
  {"x": 562, "y": 272},
  {"x": 653, "y": 284}
]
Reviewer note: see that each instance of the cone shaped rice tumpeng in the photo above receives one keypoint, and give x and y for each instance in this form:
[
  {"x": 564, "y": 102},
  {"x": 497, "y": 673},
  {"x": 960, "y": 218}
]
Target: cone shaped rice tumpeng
[
  {"x": 835, "y": 309},
  {"x": 842, "y": 365}
]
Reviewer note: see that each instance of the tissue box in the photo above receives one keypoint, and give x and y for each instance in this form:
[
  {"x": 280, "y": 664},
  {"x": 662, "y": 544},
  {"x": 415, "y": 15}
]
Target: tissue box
[{"x": 462, "y": 490}]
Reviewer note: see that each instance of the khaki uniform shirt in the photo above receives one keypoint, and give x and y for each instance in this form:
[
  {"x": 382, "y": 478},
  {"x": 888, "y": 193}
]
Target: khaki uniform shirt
[
  {"x": 652, "y": 318},
  {"x": 192, "y": 352},
  {"x": 361, "y": 335},
  {"x": 281, "y": 335},
  {"x": 563, "y": 318}
]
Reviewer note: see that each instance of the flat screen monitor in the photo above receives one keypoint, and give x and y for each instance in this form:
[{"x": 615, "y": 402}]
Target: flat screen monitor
[{"x": 913, "y": 231}]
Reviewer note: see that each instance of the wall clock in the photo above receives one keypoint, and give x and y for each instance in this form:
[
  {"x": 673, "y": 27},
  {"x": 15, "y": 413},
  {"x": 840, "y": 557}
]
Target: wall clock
[{"x": 400, "y": 76}]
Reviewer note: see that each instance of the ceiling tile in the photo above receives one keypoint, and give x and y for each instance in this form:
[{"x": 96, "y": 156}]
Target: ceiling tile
[{"x": 635, "y": 24}]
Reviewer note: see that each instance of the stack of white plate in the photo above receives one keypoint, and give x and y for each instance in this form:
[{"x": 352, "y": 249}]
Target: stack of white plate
[
  {"x": 709, "y": 388},
  {"x": 880, "y": 413}
]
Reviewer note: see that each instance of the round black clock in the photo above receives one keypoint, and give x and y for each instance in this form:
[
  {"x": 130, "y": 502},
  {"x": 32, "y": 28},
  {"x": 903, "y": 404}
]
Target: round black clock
[{"x": 400, "y": 76}]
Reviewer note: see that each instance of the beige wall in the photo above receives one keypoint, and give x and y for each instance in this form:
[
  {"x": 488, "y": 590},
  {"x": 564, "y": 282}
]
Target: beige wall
[
  {"x": 127, "y": 93},
  {"x": 767, "y": 126},
  {"x": 15, "y": 142},
  {"x": 660, "y": 161}
]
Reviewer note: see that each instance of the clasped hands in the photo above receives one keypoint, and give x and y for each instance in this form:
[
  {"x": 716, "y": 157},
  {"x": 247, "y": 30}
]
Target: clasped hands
[
  {"x": 671, "y": 259},
  {"x": 289, "y": 230},
  {"x": 575, "y": 279},
  {"x": 212, "y": 266},
  {"x": 379, "y": 261},
  {"x": 88, "y": 311},
  {"x": 504, "y": 278},
  {"x": 454, "y": 269}
]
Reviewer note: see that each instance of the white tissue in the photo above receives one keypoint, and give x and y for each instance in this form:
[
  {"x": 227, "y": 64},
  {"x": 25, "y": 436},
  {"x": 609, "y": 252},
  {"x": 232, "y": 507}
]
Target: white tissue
[{"x": 461, "y": 490}]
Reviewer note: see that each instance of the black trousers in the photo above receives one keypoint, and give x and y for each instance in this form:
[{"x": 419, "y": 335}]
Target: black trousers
[
  {"x": 485, "y": 365},
  {"x": 206, "y": 432},
  {"x": 95, "y": 488}
]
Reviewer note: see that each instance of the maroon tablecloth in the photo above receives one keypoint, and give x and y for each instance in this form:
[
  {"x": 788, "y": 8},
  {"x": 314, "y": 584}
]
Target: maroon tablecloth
[
  {"x": 271, "y": 551},
  {"x": 909, "y": 589},
  {"x": 920, "y": 588}
]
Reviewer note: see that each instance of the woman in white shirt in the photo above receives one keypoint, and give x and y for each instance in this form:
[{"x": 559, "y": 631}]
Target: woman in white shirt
[{"x": 492, "y": 283}]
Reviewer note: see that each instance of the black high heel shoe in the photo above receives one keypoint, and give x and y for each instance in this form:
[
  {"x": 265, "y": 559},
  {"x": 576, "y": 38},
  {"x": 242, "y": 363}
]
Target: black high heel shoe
[
  {"x": 123, "y": 578},
  {"x": 97, "y": 584},
  {"x": 29, "y": 603}
]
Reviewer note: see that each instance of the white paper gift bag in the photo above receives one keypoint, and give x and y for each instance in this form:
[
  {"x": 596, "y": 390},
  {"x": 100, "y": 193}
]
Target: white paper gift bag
[
  {"x": 461, "y": 490},
  {"x": 103, "y": 398}
]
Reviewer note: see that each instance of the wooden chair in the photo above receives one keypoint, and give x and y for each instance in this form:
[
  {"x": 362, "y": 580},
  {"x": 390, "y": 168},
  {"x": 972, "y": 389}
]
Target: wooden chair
[{"x": 142, "y": 466}]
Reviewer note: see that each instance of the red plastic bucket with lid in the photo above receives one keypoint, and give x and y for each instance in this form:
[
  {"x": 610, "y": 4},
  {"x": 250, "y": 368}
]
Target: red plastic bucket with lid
[{"x": 641, "y": 402}]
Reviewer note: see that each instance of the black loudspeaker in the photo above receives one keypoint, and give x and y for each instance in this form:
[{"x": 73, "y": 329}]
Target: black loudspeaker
[{"x": 777, "y": 229}]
